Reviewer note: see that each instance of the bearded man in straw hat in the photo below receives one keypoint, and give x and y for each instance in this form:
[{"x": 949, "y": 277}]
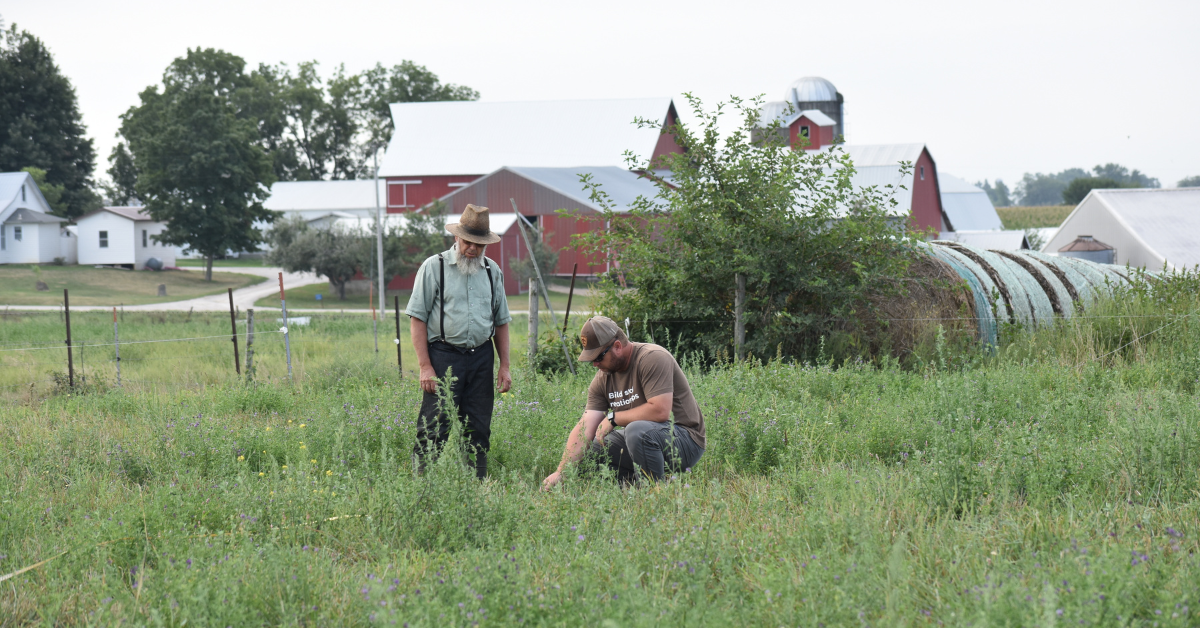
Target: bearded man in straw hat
[
  {"x": 459, "y": 313},
  {"x": 640, "y": 411}
]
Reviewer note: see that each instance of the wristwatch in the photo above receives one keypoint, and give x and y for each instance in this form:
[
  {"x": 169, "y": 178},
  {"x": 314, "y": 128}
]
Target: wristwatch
[{"x": 611, "y": 417}]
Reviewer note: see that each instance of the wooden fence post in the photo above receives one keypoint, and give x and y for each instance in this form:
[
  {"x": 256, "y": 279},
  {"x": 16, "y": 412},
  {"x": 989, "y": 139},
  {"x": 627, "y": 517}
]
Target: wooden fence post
[
  {"x": 237, "y": 361},
  {"x": 399, "y": 360}
]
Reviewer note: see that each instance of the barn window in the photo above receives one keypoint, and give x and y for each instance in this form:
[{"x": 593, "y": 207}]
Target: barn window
[
  {"x": 144, "y": 239},
  {"x": 922, "y": 173},
  {"x": 3, "y": 244},
  {"x": 22, "y": 193},
  {"x": 104, "y": 239},
  {"x": 17, "y": 234},
  {"x": 804, "y": 131}
]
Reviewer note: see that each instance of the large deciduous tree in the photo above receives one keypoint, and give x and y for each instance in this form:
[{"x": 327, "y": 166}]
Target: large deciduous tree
[
  {"x": 40, "y": 123},
  {"x": 199, "y": 166}
]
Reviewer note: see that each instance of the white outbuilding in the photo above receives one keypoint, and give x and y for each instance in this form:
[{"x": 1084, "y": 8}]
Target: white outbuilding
[
  {"x": 28, "y": 233},
  {"x": 1146, "y": 227},
  {"x": 122, "y": 236}
]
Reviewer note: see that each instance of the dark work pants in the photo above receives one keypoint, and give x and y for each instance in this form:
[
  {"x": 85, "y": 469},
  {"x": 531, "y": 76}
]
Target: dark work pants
[
  {"x": 655, "y": 447},
  {"x": 473, "y": 394}
]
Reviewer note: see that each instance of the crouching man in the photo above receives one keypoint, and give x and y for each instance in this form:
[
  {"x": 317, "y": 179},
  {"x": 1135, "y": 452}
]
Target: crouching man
[{"x": 637, "y": 390}]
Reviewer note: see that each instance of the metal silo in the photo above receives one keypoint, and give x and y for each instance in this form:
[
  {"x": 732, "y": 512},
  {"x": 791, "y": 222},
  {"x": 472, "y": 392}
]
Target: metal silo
[{"x": 1088, "y": 248}]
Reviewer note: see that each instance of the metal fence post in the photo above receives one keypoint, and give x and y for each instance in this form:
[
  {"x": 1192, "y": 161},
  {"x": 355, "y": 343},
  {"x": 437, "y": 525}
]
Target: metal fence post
[
  {"x": 287, "y": 343},
  {"x": 70, "y": 360},
  {"x": 117, "y": 345},
  {"x": 570, "y": 296},
  {"x": 374, "y": 320},
  {"x": 237, "y": 361}
]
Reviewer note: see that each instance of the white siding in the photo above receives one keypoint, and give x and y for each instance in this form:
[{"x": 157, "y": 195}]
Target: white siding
[
  {"x": 68, "y": 246},
  {"x": 152, "y": 248},
  {"x": 48, "y": 245},
  {"x": 1093, "y": 218},
  {"x": 25, "y": 251},
  {"x": 120, "y": 239}
]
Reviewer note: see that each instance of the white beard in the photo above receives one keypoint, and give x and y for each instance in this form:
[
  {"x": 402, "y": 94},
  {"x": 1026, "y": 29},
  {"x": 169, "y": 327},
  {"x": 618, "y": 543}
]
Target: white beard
[{"x": 469, "y": 265}]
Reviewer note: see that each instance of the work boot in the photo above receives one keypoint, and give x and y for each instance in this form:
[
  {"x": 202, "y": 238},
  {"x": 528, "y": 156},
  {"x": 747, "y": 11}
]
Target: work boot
[{"x": 481, "y": 464}]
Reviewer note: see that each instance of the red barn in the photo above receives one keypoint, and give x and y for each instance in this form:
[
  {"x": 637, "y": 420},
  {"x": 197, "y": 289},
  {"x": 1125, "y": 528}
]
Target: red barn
[{"x": 440, "y": 147}]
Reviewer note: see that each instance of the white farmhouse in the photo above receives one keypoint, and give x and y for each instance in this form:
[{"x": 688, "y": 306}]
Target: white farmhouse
[
  {"x": 122, "y": 236},
  {"x": 28, "y": 233}
]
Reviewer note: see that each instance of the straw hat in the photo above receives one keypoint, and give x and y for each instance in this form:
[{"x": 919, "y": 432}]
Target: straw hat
[{"x": 473, "y": 226}]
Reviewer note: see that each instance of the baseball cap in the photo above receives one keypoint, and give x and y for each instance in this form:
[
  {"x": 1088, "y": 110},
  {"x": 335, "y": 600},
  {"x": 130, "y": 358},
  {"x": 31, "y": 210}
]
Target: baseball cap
[{"x": 598, "y": 333}]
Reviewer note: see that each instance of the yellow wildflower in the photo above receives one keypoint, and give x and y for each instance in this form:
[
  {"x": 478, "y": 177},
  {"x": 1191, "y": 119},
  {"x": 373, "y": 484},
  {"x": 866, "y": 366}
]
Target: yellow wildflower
[
  {"x": 313, "y": 461},
  {"x": 285, "y": 466},
  {"x": 301, "y": 425},
  {"x": 241, "y": 458},
  {"x": 260, "y": 474},
  {"x": 329, "y": 473},
  {"x": 289, "y": 420}
]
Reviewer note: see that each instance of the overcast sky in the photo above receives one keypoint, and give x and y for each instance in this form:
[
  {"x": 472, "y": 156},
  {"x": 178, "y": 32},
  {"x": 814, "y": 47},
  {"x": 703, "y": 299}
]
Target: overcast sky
[{"x": 993, "y": 89}]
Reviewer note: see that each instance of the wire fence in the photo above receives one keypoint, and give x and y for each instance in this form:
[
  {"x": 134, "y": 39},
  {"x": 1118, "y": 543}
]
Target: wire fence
[{"x": 102, "y": 349}]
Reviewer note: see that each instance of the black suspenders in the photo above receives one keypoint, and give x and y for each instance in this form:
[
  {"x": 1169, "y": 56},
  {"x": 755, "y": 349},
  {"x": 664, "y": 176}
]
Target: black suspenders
[{"x": 441, "y": 295}]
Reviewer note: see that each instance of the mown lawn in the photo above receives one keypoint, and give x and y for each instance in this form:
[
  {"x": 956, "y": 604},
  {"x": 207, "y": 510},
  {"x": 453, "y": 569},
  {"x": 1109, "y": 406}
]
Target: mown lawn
[
  {"x": 1034, "y": 217},
  {"x": 108, "y": 286},
  {"x": 305, "y": 297},
  {"x": 1055, "y": 482}
]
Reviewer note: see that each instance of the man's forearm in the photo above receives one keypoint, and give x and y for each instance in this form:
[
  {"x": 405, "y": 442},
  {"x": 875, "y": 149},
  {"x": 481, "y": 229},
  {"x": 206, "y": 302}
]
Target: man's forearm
[
  {"x": 657, "y": 409},
  {"x": 502, "y": 344},
  {"x": 576, "y": 446},
  {"x": 420, "y": 341}
]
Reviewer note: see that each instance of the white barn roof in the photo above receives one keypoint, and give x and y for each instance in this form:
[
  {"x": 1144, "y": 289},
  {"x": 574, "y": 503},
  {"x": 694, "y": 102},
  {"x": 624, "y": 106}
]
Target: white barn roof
[
  {"x": 1147, "y": 227},
  {"x": 992, "y": 240},
  {"x": 291, "y": 196},
  {"x": 967, "y": 207},
  {"x": 463, "y": 138}
]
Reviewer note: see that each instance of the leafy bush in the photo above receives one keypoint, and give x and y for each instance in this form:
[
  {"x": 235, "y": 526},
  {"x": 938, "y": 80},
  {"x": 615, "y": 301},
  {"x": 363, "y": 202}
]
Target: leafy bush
[{"x": 811, "y": 249}]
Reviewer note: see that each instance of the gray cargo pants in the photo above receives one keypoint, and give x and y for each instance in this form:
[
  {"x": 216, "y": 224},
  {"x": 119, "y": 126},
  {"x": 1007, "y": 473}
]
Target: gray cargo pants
[{"x": 654, "y": 447}]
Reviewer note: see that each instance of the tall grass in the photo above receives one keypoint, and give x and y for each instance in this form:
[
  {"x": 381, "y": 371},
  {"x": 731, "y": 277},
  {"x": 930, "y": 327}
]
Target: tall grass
[{"x": 1053, "y": 482}]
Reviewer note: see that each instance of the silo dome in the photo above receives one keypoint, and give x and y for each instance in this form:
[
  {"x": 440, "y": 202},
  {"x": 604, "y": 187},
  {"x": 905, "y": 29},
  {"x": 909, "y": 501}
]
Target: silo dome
[{"x": 811, "y": 89}]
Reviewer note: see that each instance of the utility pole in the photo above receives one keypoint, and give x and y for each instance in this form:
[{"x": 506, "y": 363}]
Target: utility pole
[{"x": 378, "y": 239}]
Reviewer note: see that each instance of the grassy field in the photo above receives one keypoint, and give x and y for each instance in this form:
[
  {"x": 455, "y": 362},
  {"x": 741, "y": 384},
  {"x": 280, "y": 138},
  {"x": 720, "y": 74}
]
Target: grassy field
[
  {"x": 1053, "y": 482},
  {"x": 223, "y": 263},
  {"x": 305, "y": 297},
  {"x": 1034, "y": 217},
  {"x": 107, "y": 286}
]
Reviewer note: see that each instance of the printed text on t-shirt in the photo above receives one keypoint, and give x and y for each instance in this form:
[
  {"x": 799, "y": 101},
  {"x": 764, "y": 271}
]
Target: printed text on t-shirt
[{"x": 617, "y": 399}]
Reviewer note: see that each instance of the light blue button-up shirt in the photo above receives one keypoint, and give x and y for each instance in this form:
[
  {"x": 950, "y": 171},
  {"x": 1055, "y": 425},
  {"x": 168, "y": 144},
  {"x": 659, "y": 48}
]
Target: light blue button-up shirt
[{"x": 470, "y": 309}]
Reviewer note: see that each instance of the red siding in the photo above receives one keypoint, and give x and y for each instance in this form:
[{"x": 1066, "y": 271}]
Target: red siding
[
  {"x": 532, "y": 199},
  {"x": 666, "y": 142},
  {"x": 818, "y": 136},
  {"x": 926, "y": 199},
  {"x": 403, "y": 196}
]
